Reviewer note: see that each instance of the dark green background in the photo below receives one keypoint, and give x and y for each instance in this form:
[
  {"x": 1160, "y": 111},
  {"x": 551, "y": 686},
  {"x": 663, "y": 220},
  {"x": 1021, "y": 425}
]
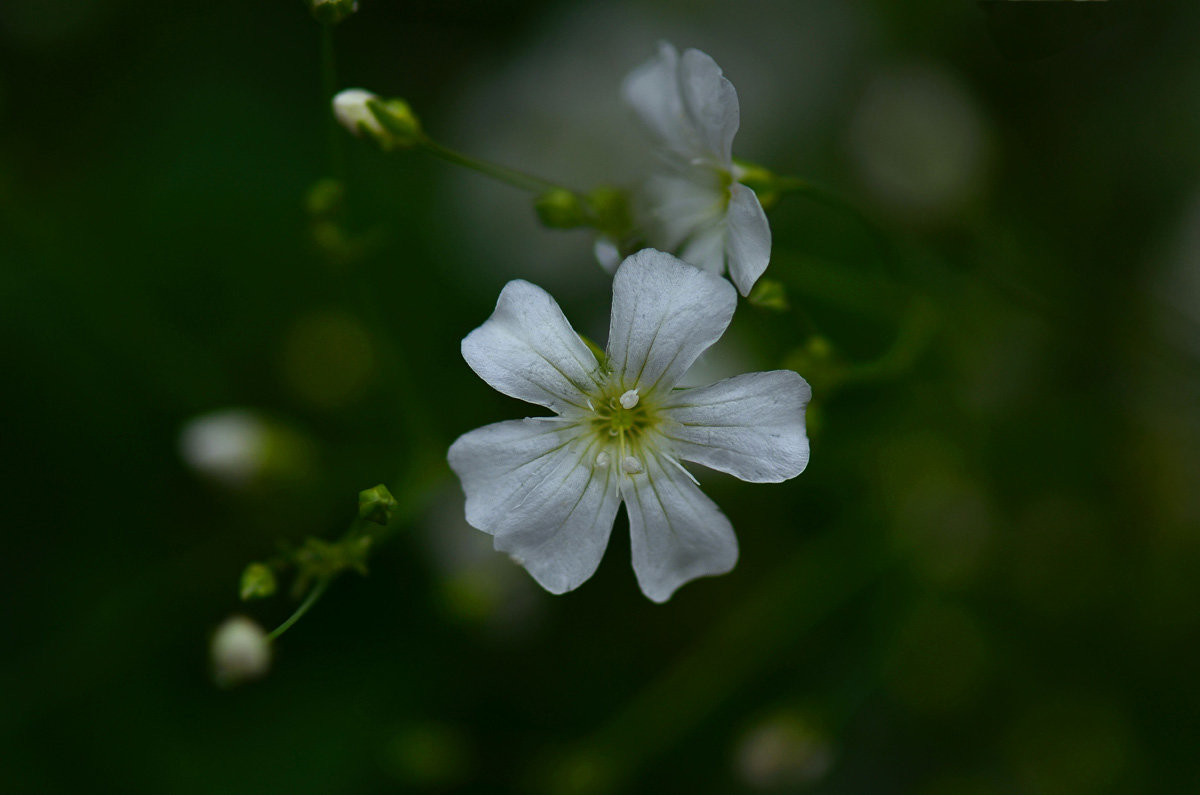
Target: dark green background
[{"x": 986, "y": 581}]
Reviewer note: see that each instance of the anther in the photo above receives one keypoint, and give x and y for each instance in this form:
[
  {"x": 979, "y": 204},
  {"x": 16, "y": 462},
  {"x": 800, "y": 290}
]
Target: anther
[
  {"x": 631, "y": 465},
  {"x": 629, "y": 399},
  {"x": 602, "y": 459}
]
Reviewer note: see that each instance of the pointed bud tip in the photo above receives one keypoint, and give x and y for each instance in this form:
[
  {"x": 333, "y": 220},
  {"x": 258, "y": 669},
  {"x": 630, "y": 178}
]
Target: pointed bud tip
[{"x": 376, "y": 505}]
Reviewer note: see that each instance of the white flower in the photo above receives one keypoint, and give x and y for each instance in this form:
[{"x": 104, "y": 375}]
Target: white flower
[
  {"x": 548, "y": 488},
  {"x": 698, "y": 207},
  {"x": 230, "y": 446},
  {"x": 240, "y": 651},
  {"x": 351, "y": 111}
]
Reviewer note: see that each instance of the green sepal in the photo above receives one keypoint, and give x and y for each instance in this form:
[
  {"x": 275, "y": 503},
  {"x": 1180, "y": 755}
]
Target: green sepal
[
  {"x": 258, "y": 582},
  {"x": 769, "y": 294},
  {"x": 401, "y": 127},
  {"x": 560, "y": 208},
  {"x": 376, "y": 504}
]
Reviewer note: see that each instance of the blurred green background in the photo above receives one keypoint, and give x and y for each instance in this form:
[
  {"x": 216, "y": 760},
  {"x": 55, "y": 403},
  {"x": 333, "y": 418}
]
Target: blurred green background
[{"x": 985, "y": 582}]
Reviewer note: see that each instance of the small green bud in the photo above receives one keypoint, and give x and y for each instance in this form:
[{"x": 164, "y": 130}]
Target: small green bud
[
  {"x": 560, "y": 209},
  {"x": 769, "y": 294},
  {"x": 763, "y": 182},
  {"x": 331, "y": 12},
  {"x": 257, "y": 582},
  {"x": 376, "y": 505},
  {"x": 609, "y": 208},
  {"x": 819, "y": 347},
  {"x": 326, "y": 197},
  {"x": 401, "y": 126}
]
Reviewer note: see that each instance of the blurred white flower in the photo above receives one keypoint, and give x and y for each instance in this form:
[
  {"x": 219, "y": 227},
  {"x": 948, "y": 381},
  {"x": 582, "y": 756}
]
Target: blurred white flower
[
  {"x": 698, "y": 207},
  {"x": 784, "y": 752},
  {"x": 230, "y": 446},
  {"x": 351, "y": 111},
  {"x": 240, "y": 651},
  {"x": 920, "y": 142},
  {"x": 242, "y": 449},
  {"x": 548, "y": 488}
]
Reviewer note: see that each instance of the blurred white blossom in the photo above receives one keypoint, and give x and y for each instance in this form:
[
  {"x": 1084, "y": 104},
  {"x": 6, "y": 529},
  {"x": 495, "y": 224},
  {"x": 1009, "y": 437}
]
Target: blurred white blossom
[
  {"x": 548, "y": 488},
  {"x": 920, "y": 142},
  {"x": 351, "y": 111},
  {"x": 230, "y": 446},
  {"x": 240, "y": 651},
  {"x": 786, "y": 751},
  {"x": 697, "y": 206}
]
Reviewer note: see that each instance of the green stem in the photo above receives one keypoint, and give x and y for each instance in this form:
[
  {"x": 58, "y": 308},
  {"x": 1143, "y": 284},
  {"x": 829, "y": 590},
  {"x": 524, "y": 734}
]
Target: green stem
[
  {"x": 510, "y": 176},
  {"x": 309, "y": 601},
  {"x": 329, "y": 87}
]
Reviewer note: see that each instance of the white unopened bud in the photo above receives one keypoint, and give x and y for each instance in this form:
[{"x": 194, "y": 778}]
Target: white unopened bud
[
  {"x": 631, "y": 465},
  {"x": 350, "y": 109},
  {"x": 629, "y": 399},
  {"x": 240, "y": 651}
]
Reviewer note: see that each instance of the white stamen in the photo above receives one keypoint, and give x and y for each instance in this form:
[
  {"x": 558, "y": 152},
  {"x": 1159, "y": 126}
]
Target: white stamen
[
  {"x": 590, "y": 406},
  {"x": 602, "y": 459},
  {"x": 631, "y": 465},
  {"x": 629, "y": 399},
  {"x": 682, "y": 469}
]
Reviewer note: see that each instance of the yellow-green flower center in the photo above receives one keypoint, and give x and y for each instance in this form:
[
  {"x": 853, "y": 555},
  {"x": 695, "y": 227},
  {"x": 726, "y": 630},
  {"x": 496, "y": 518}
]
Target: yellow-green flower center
[{"x": 623, "y": 423}]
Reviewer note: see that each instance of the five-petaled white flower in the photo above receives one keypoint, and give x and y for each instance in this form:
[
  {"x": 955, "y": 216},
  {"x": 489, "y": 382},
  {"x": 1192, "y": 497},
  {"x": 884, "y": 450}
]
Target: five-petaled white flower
[
  {"x": 548, "y": 488},
  {"x": 698, "y": 208}
]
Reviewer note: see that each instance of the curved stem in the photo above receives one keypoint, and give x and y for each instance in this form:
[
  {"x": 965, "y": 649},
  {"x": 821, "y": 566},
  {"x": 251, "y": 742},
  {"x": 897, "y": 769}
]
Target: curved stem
[
  {"x": 510, "y": 176},
  {"x": 309, "y": 601}
]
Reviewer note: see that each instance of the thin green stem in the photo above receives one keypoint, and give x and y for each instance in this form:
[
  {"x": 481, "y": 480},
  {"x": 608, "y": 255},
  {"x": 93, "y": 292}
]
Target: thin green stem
[
  {"x": 329, "y": 87},
  {"x": 309, "y": 601},
  {"x": 510, "y": 176}
]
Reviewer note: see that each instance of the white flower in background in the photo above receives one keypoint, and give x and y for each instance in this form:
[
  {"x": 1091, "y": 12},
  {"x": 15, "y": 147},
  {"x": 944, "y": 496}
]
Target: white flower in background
[
  {"x": 698, "y": 208},
  {"x": 351, "y": 111},
  {"x": 240, "y": 651},
  {"x": 230, "y": 446},
  {"x": 548, "y": 488}
]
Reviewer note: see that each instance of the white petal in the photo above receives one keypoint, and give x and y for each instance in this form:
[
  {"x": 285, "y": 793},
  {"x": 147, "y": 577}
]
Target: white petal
[
  {"x": 711, "y": 102},
  {"x": 528, "y": 350},
  {"x": 533, "y": 485},
  {"x": 653, "y": 91},
  {"x": 751, "y": 426},
  {"x": 677, "y": 533},
  {"x": 678, "y": 207},
  {"x": 665, "y": 313},
  {"x": 748, "y": 244},
  {"x": 607, "y": 253},
  {"x": 707, "y": 249}
]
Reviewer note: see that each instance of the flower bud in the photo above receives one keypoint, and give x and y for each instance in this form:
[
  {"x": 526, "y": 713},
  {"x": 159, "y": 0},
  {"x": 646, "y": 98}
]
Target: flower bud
[
  {"x": 376, "y": 505},
  {"x": 240, "y": 652},
  {"x": 560, "y": 209},
  {"x": 351, "y": 111},
  {"x": 769, "y": 294},
  {"x": 401, "y": 126},
  {"x": 257, "y": 582},
  {"x": 331, "y": 12},
  {"x": 609, "y": 210}
]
